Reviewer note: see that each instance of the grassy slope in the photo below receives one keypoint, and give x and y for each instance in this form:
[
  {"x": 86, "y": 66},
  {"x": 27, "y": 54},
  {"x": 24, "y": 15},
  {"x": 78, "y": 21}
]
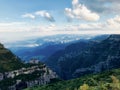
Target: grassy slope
[
  {"x": 8, "y": 61},
  {"x": 91, "y": 80}
]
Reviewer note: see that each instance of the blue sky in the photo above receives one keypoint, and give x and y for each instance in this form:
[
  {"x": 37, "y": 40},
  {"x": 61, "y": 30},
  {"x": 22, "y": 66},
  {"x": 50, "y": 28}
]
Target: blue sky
[
  {"x": 12, "y": 9},
  {"x": 24, "y": 19}
]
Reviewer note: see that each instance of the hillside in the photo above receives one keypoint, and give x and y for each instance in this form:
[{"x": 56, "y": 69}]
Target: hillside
[
  {"x": 8, "y": 61},
  {"x": 86, "y": 57},
  {"x": 15, "y": 75},
  {"x": 96, "y": 82}
]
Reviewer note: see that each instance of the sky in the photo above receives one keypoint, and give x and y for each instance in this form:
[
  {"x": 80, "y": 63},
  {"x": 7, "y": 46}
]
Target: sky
[{"x": 25, "y": 19}]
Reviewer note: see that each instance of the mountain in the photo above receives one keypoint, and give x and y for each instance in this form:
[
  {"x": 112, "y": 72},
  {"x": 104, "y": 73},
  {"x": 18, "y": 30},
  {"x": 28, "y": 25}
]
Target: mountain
[
  {"x": 83, "y": 58},
  {"x": 43, "y": 47},
  {"x": 16, "y": 75},
  {"x": 39, "y": 52},
  {"x": 47, "y": 40},
  {"x": 108, "y": 80},
  {"x": 8, "y": 61}
]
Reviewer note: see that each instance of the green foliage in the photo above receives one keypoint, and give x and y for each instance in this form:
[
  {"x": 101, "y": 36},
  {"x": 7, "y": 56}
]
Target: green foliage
[
  {"x": 84, "y": 87},
  {"x": 114, "y": 85},
  {"x": 6, "y": 82},
  {"x": 100, "y": 81},
  {"x": 8, "y": 61}
]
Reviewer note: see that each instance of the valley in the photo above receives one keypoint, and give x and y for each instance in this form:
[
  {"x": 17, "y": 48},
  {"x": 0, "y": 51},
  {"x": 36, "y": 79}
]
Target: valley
[
  {"x": 77, "y": 59},
  {"x": 59, "y": 44}
]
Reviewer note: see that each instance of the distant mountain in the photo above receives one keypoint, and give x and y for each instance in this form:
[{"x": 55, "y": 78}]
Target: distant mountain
[
  {"x": 8, "y": 61},
  {"x": 40, "y": 53},
  {"x": 86, "y": 57},
  {"x": 43, "y": 47},
  {"x": 47, "y": 40}
]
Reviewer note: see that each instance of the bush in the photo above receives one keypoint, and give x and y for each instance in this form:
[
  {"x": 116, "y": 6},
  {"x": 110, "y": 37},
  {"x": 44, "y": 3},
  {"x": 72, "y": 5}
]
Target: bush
[{"x": 115, "y": 85}]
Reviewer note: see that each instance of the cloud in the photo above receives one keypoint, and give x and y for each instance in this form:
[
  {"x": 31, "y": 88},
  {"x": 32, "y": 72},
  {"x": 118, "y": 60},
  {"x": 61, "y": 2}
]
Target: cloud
[
  {"x": 109, "y": 26},
  {"x": 114, "y": 20},
  {"x": 114, "y": 23},
  {"x": 103, "y": 6},
  {"x": 41, "y": 13},
  {"x": 46, "y": 15},
  {"x": 17, "y": 27},
  {"x": 52, "y": 26},
  {"x": 81, "y": 12},
  {"x": 11, "y": 24},
  {"x": 28, "y": 15},
  {"x": 15, "y": 31}
]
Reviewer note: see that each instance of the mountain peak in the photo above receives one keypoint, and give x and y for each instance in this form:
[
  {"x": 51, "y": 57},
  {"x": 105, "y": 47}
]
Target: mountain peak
[{"x": 115, "y": 37}]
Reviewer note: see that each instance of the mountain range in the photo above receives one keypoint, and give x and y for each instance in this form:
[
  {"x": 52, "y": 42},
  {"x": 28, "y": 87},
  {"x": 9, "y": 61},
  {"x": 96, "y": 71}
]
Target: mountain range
[
  {"x": 43, "y": 47},
  {"x": 83, "y": 58},
  {"x": 76, "y": 59}
]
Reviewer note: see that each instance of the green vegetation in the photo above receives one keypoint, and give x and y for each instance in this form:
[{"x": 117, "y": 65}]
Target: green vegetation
[
  {"x": 8, "y": 61},
  {"x": 114, "y": 85},
  {"x": 7, "y": 82},
  {"x": 108, "y": 80}
]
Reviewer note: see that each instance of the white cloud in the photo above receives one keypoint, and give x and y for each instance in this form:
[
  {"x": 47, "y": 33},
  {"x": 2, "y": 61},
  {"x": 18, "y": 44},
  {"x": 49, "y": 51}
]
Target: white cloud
[
  {"x": 114, "y": 20},
  {"x": 41, "y": 13},
  {"x": 14, "y": 31},
  {"x": 69, "y": 13},
  {"x": 11, "y": 24},
  {"x": 93, "y": 26},
  {"x": 46, "y": 15},
  {"x": 114, "y": 23},
  {"x": 110, "y": 26},
  {"x": 81, "y": 12},
  {"x": 28, "y": 15},
  {"x": 52, "y": 26},
  {"x": 75, "y": 2}
]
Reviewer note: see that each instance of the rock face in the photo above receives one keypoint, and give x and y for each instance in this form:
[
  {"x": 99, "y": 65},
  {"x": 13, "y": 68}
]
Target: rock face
[
  {"x": 90, "y": 57},
  {"x": 26, "y": 78},
  {"x": 44, "y": 79}
]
